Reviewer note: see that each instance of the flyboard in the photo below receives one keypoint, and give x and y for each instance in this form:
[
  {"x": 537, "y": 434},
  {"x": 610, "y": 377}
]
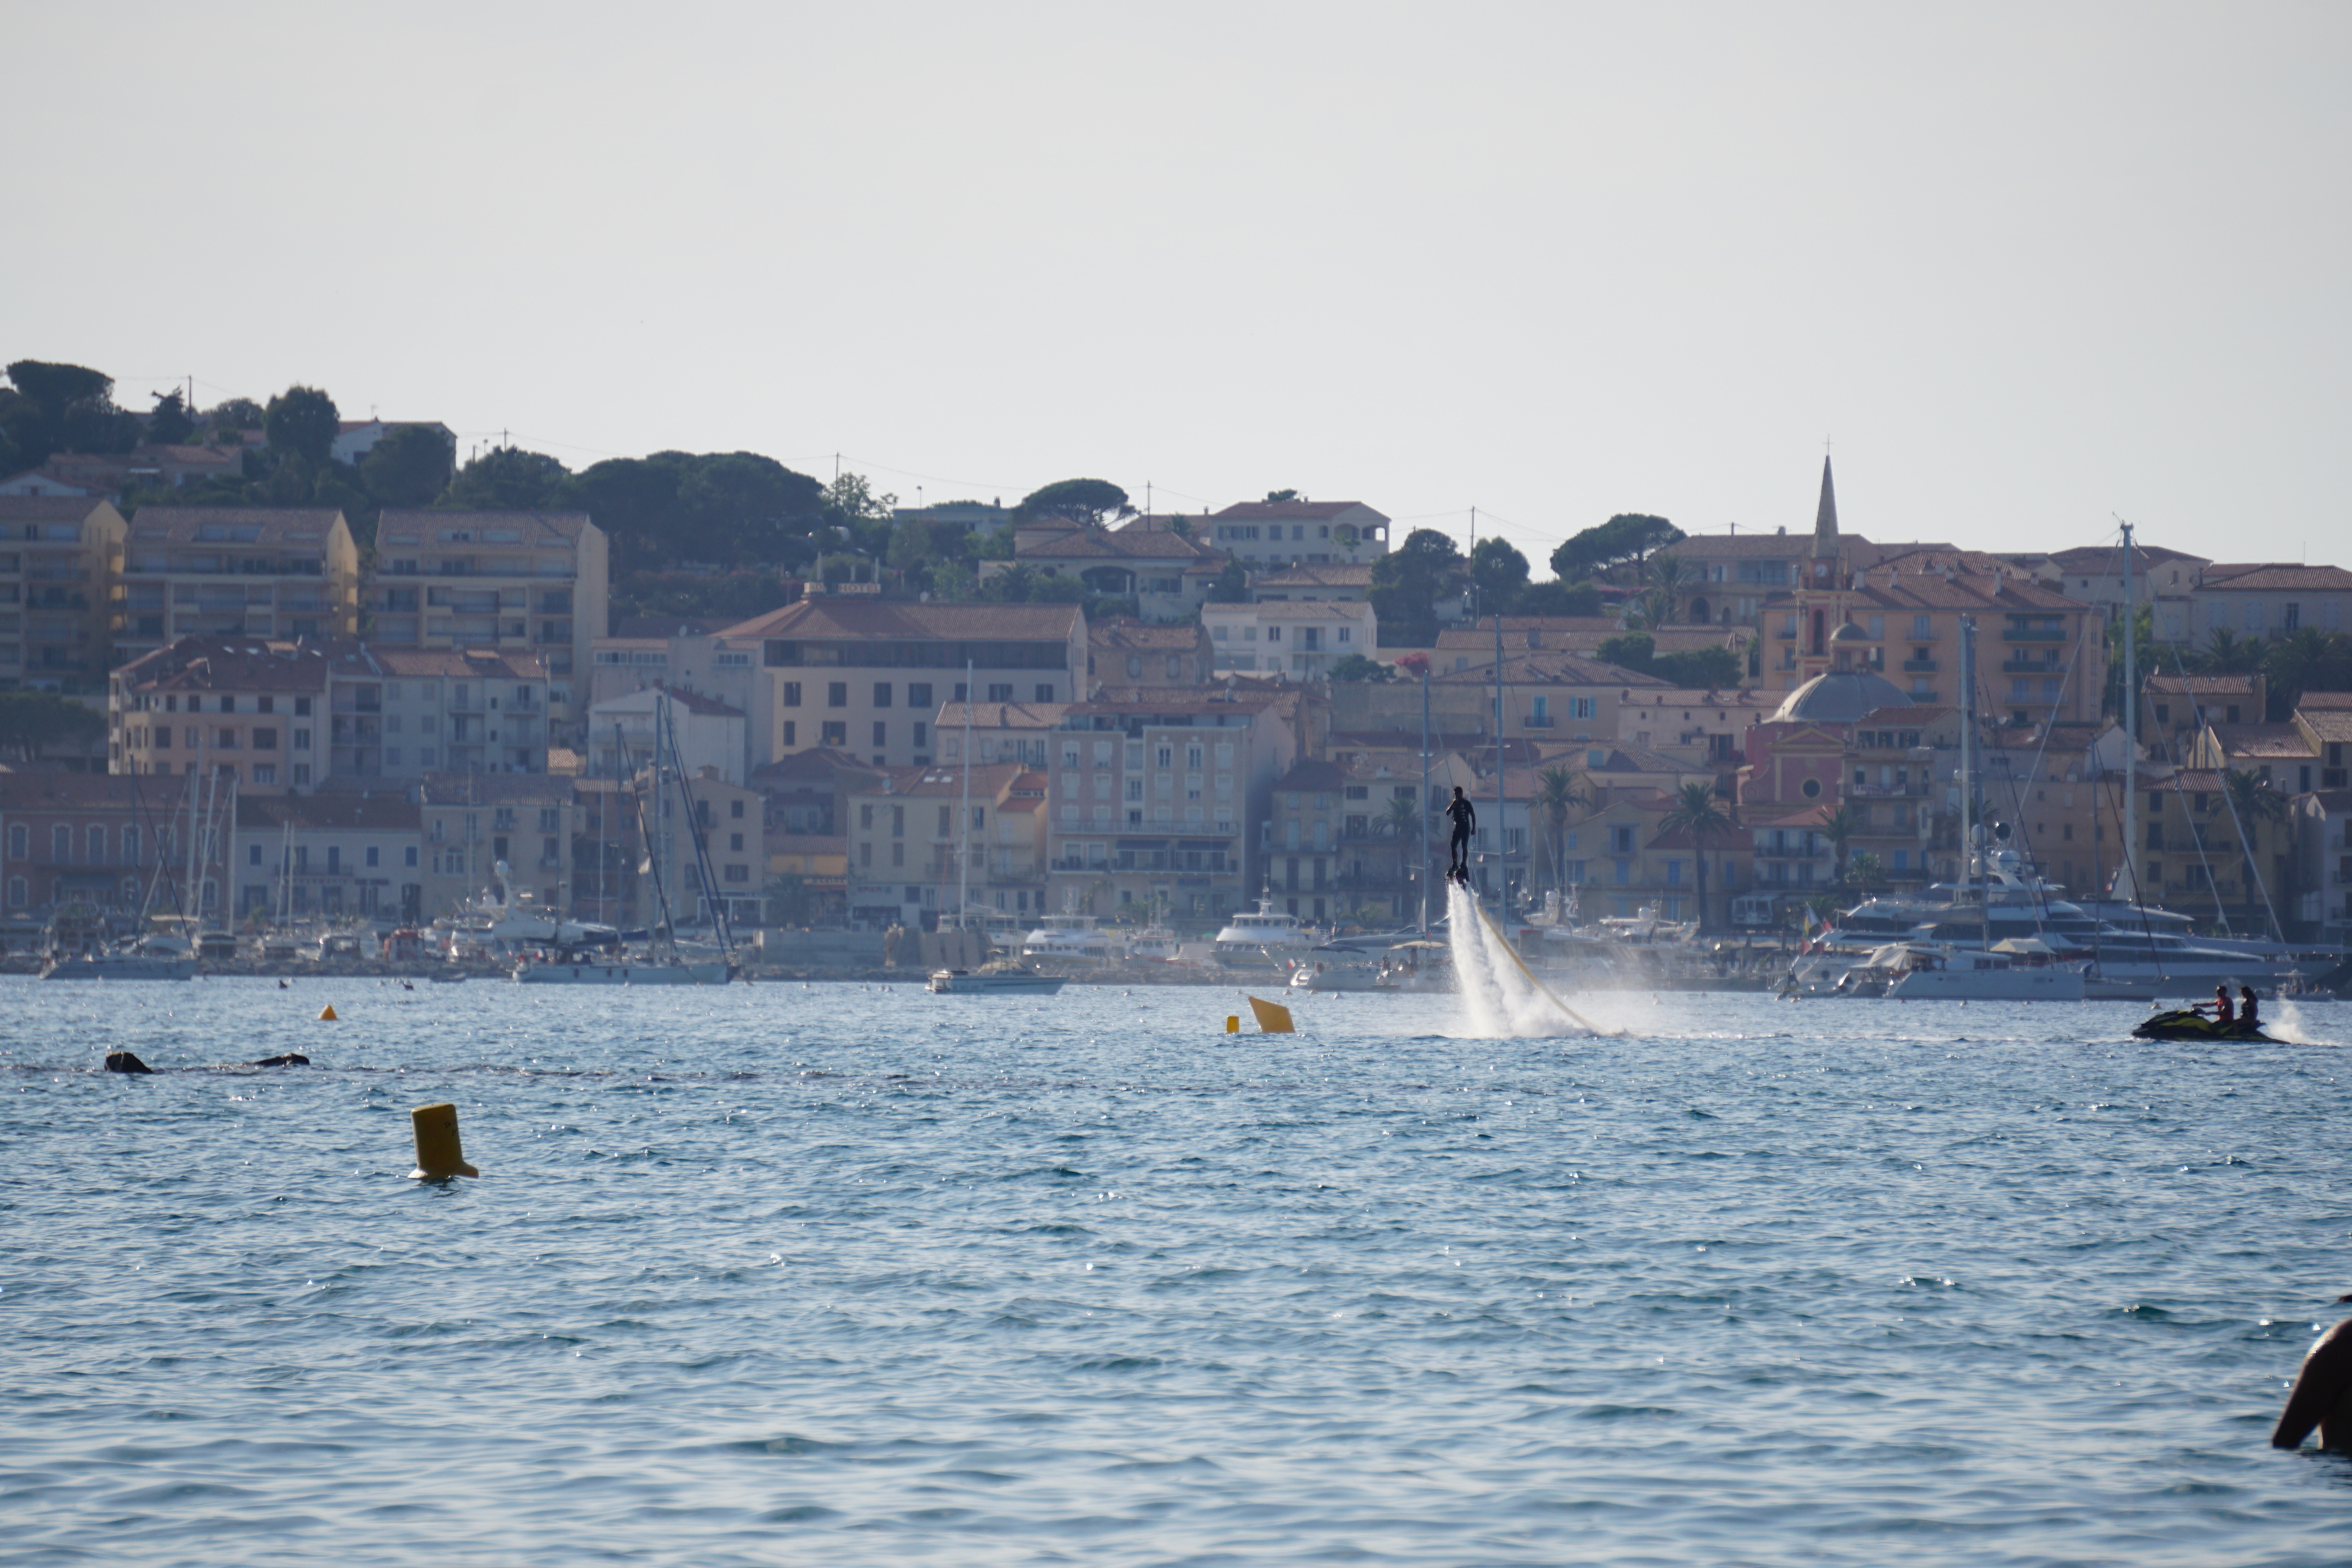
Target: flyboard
[{"x": 1502, "y": 942}]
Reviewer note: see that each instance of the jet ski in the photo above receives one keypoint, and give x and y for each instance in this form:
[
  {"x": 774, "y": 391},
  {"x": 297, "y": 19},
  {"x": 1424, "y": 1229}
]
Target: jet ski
[{"x": 2188, "y": 1023}]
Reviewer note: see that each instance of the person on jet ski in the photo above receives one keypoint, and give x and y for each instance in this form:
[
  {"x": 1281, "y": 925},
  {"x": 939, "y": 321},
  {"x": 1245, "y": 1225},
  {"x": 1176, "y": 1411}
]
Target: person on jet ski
[
  {"x": 2249, "y": 1010},
  {"x": 2222, "y": 1012}
]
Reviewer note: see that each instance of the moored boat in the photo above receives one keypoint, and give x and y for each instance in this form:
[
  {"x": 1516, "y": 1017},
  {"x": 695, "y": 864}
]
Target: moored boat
[{"x": 997, "y": 982}]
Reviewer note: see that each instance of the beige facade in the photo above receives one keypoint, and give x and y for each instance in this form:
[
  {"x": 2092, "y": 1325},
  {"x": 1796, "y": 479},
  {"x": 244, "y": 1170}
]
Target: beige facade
[
  {"x": 908, "y": 839},
  {"x": 514, "y": 581},
  {"x": 235, "y": 571},
  {"x": 59, "y": 559},
  {"x": 327, "y": 855},
  {"x": 252, "y": 710},
  {"x": 471, "y": 821},
  {"x": 1300, "y": 640}
]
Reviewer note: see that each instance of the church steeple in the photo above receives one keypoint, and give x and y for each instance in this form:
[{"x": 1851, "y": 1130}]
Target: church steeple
[{"x": 1825, "y": 528}]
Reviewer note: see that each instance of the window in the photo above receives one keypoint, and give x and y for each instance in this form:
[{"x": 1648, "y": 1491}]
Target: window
[
  {"x": 265, "y": 739},
  {"x": 19, "y": 893},
  {"x": 1920, "y": 626},
  {"x": 923, "y": 735},
  {"x": 836, "y": 694},
  {"x": 371, "y": 856},
  {"x": 1044, "y": 691},
  {"x": 919, "y": 693},
  {"x": 61, "y": 844},
  {"x": 881, "y": 699},
  {"x": 408, "y": 856},
  {"x": 736, "y": 874},
  {"x": 792, "y": 693},
  {"x": 792, "y": 734},
  {"x": 836, "y": 732},
  {"x": 19, "y": 843},
  {"x": 881, "y": 733},
  {"x": 301, "y": 740},
  {"x": 266, "y": 772},
  {"x": 301, "y": 707},
  {"x": 163, "y": 737},
  {"x": 1000, "y": 692}
]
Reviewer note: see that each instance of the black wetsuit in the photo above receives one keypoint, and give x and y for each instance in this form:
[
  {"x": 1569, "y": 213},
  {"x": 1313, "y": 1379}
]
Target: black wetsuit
[
  {"x": 1466, "y": 823},
  {"x": 2249, "y": 1012}
]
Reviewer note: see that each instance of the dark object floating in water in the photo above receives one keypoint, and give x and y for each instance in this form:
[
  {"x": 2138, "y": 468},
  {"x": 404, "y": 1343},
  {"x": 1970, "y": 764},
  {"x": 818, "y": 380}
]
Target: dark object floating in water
[
  {"x": 2317, "y": 1398},
  {"x": 2188, "y": 1023},
  {"x": 123, "y": 1061},
  {"x": 291, "y": 1059}
]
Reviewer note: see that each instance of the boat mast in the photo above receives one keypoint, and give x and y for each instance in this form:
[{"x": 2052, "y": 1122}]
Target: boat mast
[
  {"x": 963, "y": 854},
  {"x": 2131, "y": 719},
  {"x": 1973, "y": 865},
  {"x": 1424, "y": 800},
  {"x": 1502, "y": 858}
]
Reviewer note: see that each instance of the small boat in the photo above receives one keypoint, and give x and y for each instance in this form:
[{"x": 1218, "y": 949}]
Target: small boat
[
  {"x": 1262, "y": 934},
  {"x": 2188, "y": 1023},
  {"x": 1154, "y": 944},
  {"x": 599, "y": 968},
  {"x": 1004, "y": 982}
]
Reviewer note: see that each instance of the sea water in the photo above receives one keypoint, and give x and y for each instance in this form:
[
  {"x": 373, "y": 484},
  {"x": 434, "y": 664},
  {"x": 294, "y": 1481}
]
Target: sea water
[{"x": 777, "y": 1274}]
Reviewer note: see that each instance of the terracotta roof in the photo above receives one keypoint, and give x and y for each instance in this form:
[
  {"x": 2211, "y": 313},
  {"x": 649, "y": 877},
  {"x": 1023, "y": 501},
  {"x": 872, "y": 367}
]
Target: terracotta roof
[
  {"x": 691, "y": 701},
  {"x": 493, "y": 788},
  {"x": 229, "y": 664},
  {"x": 833, "y": 616},
  {"x": 1091, "y": 544},
  {"x": 1743, "y": 699},
  {"x": 2261, "y": 740},
  {"x": 2276, "y": 577},
  {"x": 1291, "y": 610},
  {"x": 535, "y": 526},
  {"x": 1290, "y": 511},
  {"x": 1125, "y": 635},
  {"x": 278, "y": 525},
  {"x": 48, "y": 509},
  {"x": 1751, "y": 545},
  {"x": 1312, "y": 775},
  {"x": 1332, "y": 574},
  {"x": 2329, "y": 723},
  {"x": 2202, "y": 685},
  {"x": 2313, "y": 702},
  {"x": 943, "y": 782},
  {"x": 2107, "y": 561},
  {"x": 1549, "y": 669},
  {"x": 1002, "y": 715},
  {"x": 404, "y": 660},
  {"x": 61, "y": 791}
]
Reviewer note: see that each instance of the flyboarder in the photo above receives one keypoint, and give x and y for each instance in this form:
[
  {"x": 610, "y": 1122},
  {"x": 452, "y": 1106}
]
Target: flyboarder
[{"x": 1466, "y": 823}]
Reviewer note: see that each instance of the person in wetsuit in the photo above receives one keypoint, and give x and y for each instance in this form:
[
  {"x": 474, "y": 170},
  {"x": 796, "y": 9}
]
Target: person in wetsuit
[
  {"x": 2249, "y": 1010},
  {"x": 1466, "y": 822}
]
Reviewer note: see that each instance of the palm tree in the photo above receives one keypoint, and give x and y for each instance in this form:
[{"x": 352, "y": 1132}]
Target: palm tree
[
  {"x": 1838, "y": 827},
  {"x": 1695, "y": 811},
  {"x": 1672, "y": 577},
  {"x": 2296, "y": 662},
  {"x": 2228, "y": 654},
  {"x": 2255, "y": 802},
  {"x": 1402, "y": 816},
  {"x": 1557, "y": 794}
]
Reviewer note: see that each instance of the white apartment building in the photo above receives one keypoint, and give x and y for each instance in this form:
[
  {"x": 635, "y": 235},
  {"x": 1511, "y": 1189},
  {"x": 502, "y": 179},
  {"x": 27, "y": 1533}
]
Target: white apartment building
[
  {"x": 514, "y": 581},
  {"x": 624, "y": 731},
  {"x": 1299, "y": 639},
  {"x": 1298, "y": 533},
  {"x": 2270, "y": 600},
  {"x": 332, "y": 854},
  {"x": 235, "y": 571},
  {"x": 402, "y": 713},
  {"x": 58, "y": 558}
]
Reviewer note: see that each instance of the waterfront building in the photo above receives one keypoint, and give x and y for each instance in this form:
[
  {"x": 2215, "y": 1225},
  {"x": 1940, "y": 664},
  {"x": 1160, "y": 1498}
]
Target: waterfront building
[
  {"x": 59, "y": 559},
  {"x": 235, "y": 571},
  {"x": 1298, "y": 639},
  {"x": 909, "y": 840},
  {"x": 341, "y": 853}
]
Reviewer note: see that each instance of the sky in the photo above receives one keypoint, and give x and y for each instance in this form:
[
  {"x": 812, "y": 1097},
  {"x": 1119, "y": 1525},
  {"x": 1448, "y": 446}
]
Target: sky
[{"x": 2021, "y": 269}]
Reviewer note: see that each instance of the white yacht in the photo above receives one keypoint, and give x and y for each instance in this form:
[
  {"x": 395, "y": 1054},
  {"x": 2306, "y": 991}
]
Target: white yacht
[
  {"x": 1069, "y": 939},
  {"x": 1263, "y": 933},
  {"x": 78, "y": 949},
  {"x": 1970, "y": 976},
  {"x": 995, "y": 982},
  {"x": 1154, "y": 944}
]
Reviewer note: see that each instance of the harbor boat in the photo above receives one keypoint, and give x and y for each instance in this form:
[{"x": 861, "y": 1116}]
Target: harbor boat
[
  {"x": 1337, "y": 966},
  {"x": 1257, "y": 935},
  {"x": 1069, "y": 939},
  {"x": 1154, "y": 944},
  {"x": 1007, "y": 981},
  {"x": 1959, "y": 975},
  {"x": 597, "y": 968},
  {"x": 2188, "y": 1023},
  {"x": 75, "y": 948}
]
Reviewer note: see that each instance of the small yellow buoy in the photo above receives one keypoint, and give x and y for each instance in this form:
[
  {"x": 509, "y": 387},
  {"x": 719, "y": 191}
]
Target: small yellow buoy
[
  {"x": 327, "y": 1014},
  {"x": 439, "y": 1156},
  {"x": 1232, "y": 1023},
  {"x": 1272, "y": 1018}
]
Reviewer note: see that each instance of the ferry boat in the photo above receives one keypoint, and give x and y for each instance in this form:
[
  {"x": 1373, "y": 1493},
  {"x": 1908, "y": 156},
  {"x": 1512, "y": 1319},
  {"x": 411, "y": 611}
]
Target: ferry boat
[
  {"x": 998, "y": 982},
  {"x": 1069, "y": 939},
  {"x": 1154, "y": 944},
  {"x": 1266, "y": 932}
]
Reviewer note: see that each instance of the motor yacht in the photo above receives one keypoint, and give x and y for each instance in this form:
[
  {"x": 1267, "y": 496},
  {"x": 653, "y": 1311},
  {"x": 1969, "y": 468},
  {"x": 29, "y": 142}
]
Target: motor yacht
[
  {"x": 1253, "y": 935},
  {"x": 1069, "y": 939}
]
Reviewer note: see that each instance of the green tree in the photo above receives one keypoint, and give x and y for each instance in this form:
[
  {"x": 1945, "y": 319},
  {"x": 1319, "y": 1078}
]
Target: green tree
[
  {"x": 302, "y": 422},
  {"x": 1356, "y": 667},
  {"x": 1090, "y": 502},
  {"x": 1712, "y": 668},
  {"x": 1557, "y": 598},
  {"x": 509, "y": 479},
  {"x": 1627, "y": 537},
  {"x": 2308, "y": 660},
  {"x": 1866, "y": 869},
  {"x": 1409, "y": 581},
  {"x": 1232, "y": 585},
  {"x": 1838, "y": 827},
  {"x": 1696, "y": 812},
  {"x": 1628, "y": 651},
  {"x": 168, "y": 423},
  {"x": 1282, "y": 498},
  {"x": 1498, "y": 573},
  {"x": 409, "y": 466},
  {"x": 1671, "y": 579},
  {"x": 31, "y": 722},
  {"x": 54, "y": 408},
  {"x": 2227, "y": 654},
  {"x": 1558, "y": 793},
  {"x": 2256, "y": 802}
]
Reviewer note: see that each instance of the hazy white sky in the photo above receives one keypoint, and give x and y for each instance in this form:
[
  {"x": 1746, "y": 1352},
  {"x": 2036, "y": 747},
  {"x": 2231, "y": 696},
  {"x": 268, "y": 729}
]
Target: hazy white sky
[{"x": 2030, "y": 266}]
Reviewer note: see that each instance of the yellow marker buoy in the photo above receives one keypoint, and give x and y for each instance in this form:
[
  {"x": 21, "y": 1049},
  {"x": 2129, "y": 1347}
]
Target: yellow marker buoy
[
  {"x": 327, "y": 1014},
  {"x": 439, "y": 1156},
  {"x": 1272, "y": 1018},
  {"x": 1232, "y": 1023}
]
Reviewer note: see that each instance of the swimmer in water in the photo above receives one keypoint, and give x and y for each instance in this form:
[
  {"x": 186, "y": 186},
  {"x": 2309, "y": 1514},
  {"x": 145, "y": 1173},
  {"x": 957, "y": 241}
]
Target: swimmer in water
[{"x": 2322, "y": 1395}]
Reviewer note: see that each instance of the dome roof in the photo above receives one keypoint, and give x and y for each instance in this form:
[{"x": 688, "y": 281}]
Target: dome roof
[
  {"x": 1848, "y": 633},
  {"x": 1841, "y": 696}
]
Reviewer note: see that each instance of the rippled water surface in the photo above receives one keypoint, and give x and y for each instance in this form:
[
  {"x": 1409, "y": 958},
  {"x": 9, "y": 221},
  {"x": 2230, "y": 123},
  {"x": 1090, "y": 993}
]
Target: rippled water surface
[{"x": 778, "y": 1274}]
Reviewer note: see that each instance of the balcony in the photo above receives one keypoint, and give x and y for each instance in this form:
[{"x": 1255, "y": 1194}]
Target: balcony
[
  {"x": 1920, "y": 666},
  {"x": 2033, "y": 635},
  {"x": 2031, "y": 667},
  {"x": 1888, "y": 792}
]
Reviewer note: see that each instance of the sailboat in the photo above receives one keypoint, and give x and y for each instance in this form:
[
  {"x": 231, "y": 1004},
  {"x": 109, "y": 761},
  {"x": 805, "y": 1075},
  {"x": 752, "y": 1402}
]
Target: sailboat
[{"x": 991, "y": 979}]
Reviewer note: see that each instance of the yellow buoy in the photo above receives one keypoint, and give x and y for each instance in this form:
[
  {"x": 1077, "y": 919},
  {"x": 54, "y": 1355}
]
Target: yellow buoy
[
  {"x": 439, "y": 1156},
  {"x": 327, "y": 1014},
  {"x": 1232, "y": 1023},
  {"x": 1272, "y": 1018}
]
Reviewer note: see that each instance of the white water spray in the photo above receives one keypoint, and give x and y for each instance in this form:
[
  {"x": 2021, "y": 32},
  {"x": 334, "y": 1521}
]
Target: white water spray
[{"x": 1498, "y": 999}]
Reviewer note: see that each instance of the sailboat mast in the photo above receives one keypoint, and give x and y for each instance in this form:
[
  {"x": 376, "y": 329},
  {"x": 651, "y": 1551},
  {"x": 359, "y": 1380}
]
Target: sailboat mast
[
  {"x": 2131, "y": 718},
  {"x": 1972, "y": 864},
  {"x": 1424, "y": 802},
  {"x": 1502, "y": 858}
]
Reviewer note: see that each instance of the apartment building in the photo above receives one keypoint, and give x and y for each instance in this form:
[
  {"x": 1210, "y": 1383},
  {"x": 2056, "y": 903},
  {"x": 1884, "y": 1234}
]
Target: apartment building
[
  {"x": 2163, "y": 581},
  {"x": 1298, "y": 639},
  {"x": 1545, "y": 696},
  {"x": 867, "y": 676},
  {"x": 1693, "y": 727},
  {"x": 535, "y": 583},
  {"x": 1283, "y": 584},
  {"x": 404, "y": 712},
  {"x": 84, "y": 839},
  {"x": 2175, "y": 707},
  {"x": 1154, "y": 802},
  {"x": 59, "y": 559},
  {"x": 922, "y": 839},
  {"x": 235, "y": 571},
  {"x": 1167, "y": 573},
  {"x": 1300, "y": 533},
  {"x": 1126, "y": 651},
  {"x": 248, "y": 709},
  {"x": 623, "y": 732},
  {"x": 2270, "y": 598},
  {"x": 471, "y": 821},
  {"x": 731, "y": 872},
  {"x": 334, "y": 854},
  {"x": 2322, "y": 826}
]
